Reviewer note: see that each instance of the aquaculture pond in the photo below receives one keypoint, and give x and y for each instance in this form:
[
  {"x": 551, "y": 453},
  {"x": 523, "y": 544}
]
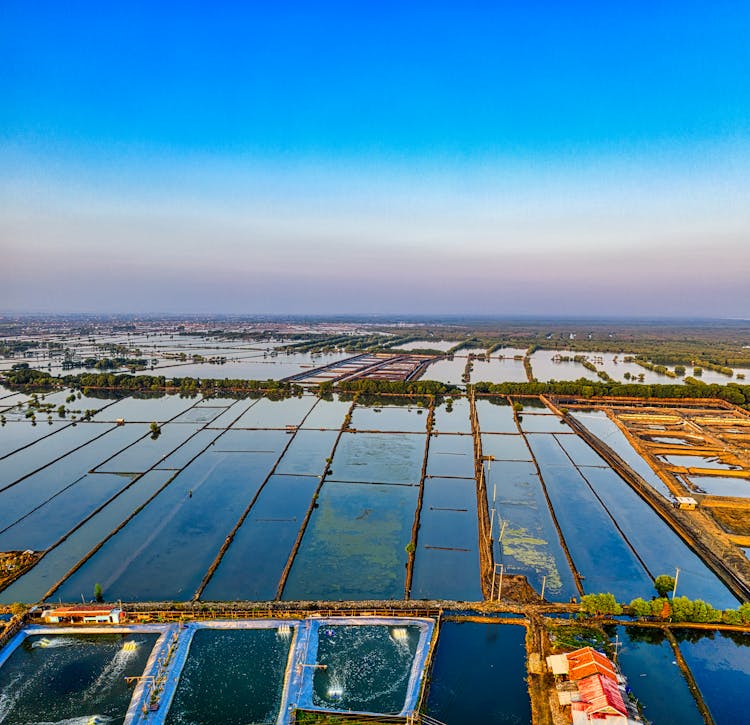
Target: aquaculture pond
[
  {"x": 720, "y": 663},
  {"x": 447, "y": 556},
  {"x": 720, "y": 485},
  {"x": 479, "y": 675},
  {"x": 165, "y": 550},
  {"x": 495, "y": 416},
  {"x": 231, "y": 677},
  {"x": 647, "y": 660},
  {"x": 600, "y": 553},
  {"x": 451, "y": 455},
  {"x": 530, "y": 544},
  {"x": 355, "y": 544},
  {"x": 251, "y": 568},
  {"x": 607, "y": 431},
  {"x": 33, "y": 585},
  {"x": 71, "y": 678},
  {"x": 498, "y": 370},
  {"x": 453, "y": 418},
  {"x": 379, "y": 458},
  {"x": 367, "y": 667}
]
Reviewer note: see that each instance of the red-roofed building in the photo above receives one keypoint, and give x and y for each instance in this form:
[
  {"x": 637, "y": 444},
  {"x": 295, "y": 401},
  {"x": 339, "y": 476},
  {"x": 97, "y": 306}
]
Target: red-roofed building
[
  {"x": 587, "y": 661},
  {"x": 83, "y": 614},
  {"x": 600, "y": 696},
  {"x": 593, "y": 690}
]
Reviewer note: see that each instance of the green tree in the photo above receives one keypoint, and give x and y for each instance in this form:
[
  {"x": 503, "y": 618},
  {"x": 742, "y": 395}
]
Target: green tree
[
  {"x": 98, "y": 594},
  {"x": 595, "y": 604},
  {"x": 155, "y": 430},
  {"x": 640, "y": 608},
  {"x": 664, "y": 584}
]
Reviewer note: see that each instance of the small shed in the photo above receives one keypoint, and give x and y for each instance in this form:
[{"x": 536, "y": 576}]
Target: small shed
[{"x": 687, "y": 503}]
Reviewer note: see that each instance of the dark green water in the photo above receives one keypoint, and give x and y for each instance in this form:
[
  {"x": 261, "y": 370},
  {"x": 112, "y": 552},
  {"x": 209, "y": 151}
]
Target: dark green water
[
  {"x": 367, "y": 667},
  {"x": 354, "y": 546},
  {"x": 479, "y": 675},
  {"x": 71, "y": 678},
  {"x": 231, "y": 677}
]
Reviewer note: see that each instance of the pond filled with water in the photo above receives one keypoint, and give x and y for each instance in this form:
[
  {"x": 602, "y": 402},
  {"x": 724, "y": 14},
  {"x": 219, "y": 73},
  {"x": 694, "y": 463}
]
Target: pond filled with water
[
  {"x": 606, "y": 561},
  {"x": 144, "y": 410},
  {"x": 661, "y": 550},
  {"x": 544, "y": 367},
  {"x": 217, "y": 689},
  {"x": 451, "y": 455},
  {"x": 442, "y": 345},
  {"x": 721, "y": 485},
  {"x": 17, "y": 434},
  {"x": 41, "y": 527},
  {"x": 166, "y": 549},
  {"x": 367, "y": 667},
  {"x": 530, "y": 543},
  {"x": 355, "y": 544},
  {"x": 499, "y": 370},
  {"x": 479, "y": 675},
  {"x": 54, "y": 480},
  {"x": 379, "y": 458},
  {"x": 699, "y": 462},
  {"x": 53, "y": 448},
  {"x": 268, "y": 413},
  {"x": 327, "y": 414},
  {"x": 607, "y": 431},
  {"x": 536, "y": 423},
  {"x": 495, "y": 416},
  {"x": 71, "y": 678},
  {"x": 648, "y": 661},
  {"x": 149, "y": 450},
  {"x": 446, "y": 562},
  {"x": 390, "y": 418},
  {"x": 720, "y": 663},
  {"x": 505, "y": 448},
  {"x": 32, "y": 586},
  {"x": 446, "y": 371},
  {"x": 252, "y": 566},
  {"x": 455, "y": 420}
]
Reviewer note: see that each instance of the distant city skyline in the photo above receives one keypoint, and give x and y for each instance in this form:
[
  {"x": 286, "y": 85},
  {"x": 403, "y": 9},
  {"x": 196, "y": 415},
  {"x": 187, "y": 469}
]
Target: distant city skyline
[{"x": 330, "y": 159}]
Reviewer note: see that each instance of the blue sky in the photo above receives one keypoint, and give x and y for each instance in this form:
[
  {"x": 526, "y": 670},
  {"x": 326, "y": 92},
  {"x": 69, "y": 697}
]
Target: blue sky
[{"x": 494, "y": 158}]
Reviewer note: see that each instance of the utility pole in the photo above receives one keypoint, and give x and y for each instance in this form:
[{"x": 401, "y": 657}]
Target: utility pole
[
  {"x": 676, "y": 577},
  {"x": 544, "y": 584}
]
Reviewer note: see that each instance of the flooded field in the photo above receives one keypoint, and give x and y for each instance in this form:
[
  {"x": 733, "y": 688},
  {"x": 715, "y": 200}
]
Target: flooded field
[{"x": 71, "y": 678}]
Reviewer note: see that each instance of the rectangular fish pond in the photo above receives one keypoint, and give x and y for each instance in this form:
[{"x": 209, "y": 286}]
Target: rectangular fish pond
[
  {"x": 232, "y": 676},
  {"x": 362, "y": 665},
  {"x": 222, "y": 672},
  {"x": 71, "y": 678}
]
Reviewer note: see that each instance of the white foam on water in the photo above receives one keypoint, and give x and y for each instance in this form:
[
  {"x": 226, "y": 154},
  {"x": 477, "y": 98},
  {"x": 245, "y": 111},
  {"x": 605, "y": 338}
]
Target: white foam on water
[
  {"x": 10, "y": 696},
  {"x": 53, "y": 642},
  {"x": 113, "y": 671},
  {"x": 80, "y": 720}
]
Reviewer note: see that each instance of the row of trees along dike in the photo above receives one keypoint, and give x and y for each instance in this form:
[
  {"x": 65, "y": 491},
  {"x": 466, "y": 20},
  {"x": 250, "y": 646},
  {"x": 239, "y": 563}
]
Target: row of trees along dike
[
  {"x": 664, "y": 607},
  {"x": 731, "y": 392},
  {"x": 25, "y": 377}
]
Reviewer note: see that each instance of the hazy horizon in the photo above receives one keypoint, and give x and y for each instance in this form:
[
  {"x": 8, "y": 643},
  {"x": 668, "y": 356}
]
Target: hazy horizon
[{"x": 501, "y": 160}]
